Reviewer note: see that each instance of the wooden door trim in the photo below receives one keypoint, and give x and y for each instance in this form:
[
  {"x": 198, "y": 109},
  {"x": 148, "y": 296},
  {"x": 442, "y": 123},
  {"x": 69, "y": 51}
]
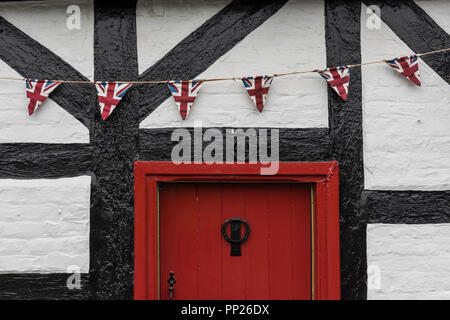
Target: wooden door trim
[{"x": 322, "y": 175}]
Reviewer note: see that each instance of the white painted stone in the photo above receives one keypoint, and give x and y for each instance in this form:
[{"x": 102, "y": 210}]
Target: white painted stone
[
  {"x": 292, "y": 39},
  {"x": 46, "y": 22},
  {"x": 44, "y": 224},
  {"x": 413, "y": 261},
  {"x": 405, "y": 127},
  {"x": 438, "y": 10},
  {"x": 49, "y": 124}
]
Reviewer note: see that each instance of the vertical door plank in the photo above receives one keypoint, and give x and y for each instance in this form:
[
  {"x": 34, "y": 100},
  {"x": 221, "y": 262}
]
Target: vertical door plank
[
  {"x": 301, "y": 203},
  {"x": 209, "y": 241},
  {"x": 178, "y": 225},
  {"x": 280, "y": 243},
  {"x": 256, "y": 255}
]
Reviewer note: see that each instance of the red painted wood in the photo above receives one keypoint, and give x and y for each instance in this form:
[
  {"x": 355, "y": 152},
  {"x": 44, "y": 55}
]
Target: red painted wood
[
  {"x": 257, "y": 215},
  {"x": 322, "y": 176},
  {"x": 180, "y": 201},
  {"x": 234, "y": 273},
  {"x": 140, "y": 237},
  {"x": 275, "y": 261}
]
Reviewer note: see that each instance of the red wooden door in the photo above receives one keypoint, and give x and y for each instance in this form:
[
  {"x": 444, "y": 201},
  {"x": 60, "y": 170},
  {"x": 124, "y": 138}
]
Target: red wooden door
[{"x": 276, "y": 258}]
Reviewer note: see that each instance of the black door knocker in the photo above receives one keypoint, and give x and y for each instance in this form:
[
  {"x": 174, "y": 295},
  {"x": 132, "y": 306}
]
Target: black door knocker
[{"x": 235, "y": 240}]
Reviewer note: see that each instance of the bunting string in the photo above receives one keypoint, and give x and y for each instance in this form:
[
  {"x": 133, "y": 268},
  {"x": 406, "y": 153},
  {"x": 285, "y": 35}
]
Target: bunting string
[
  {"x": 275, "y": 75},
  {"x": 184, "y": 92}
]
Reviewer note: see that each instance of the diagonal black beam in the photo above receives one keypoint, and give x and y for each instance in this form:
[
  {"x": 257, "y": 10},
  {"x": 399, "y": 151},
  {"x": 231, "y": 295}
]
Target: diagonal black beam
[
  {"x": 418, "y": 30},
  {"x": 32, "y": 60},
  {"x": 311, "y": 144},
  {"x": 194, "y": 54},
  {"x": 342, "y": 28},
  {"x": 40, "y": 160},
  {"x": 406, "y": 206}
]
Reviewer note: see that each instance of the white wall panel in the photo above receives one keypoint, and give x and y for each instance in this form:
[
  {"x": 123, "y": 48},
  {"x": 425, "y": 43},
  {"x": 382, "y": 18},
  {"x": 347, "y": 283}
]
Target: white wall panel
[
  {"x": 408, "y": 261},
  {"x": 46, "y": 22},
  {"x": 44, "y": 224},
  {"x": 292, "y": 39},
  {"x": 405, "y": 127}
]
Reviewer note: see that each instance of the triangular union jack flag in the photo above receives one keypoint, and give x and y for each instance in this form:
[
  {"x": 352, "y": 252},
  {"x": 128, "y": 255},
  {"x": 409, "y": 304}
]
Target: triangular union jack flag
[
  {"x": 37, "y": 92},
  {"x": 109, "y": 95},
  {"x": 338, "y": 78},
  {"x": 407, "y": 66},
  {"x": 184, "y": 94},
  {"x": 257, "y": 89}
]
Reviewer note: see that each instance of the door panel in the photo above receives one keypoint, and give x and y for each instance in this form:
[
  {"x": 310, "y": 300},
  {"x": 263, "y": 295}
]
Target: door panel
[{"x": 276, "y": 258}]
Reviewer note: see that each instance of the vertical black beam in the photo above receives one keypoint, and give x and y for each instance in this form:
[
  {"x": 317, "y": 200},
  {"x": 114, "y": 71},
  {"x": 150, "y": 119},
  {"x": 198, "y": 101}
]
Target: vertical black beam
[
  {"x": 342, "y": 27},
  {"x": 116, "y": 149}
]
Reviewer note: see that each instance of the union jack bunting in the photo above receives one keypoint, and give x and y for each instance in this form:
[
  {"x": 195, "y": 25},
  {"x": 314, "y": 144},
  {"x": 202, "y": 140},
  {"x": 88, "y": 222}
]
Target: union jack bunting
[
  {"x": 407, "y": 66},
  {"x": 338, "y": 78},
  {"x": 257, "y": 89},
  {"x": 37, "y": 92},
  {"x": 184, "y": 94},
  {"x": 109, "y": 95}
]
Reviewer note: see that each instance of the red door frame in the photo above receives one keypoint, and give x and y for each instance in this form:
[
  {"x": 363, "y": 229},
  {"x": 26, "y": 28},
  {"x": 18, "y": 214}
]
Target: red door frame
[{"x": 322, "y": 175}]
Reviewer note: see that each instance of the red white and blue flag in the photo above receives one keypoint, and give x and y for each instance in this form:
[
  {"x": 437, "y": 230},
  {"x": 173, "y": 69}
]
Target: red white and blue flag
[
  {"x": 257, "y": 89},
  {"x": 37, "y": 92},
  {"x": 407, "y": 66},
  {"x": 184, "y": 94},
  {"x": 109, "y": 95},
  {"x": 338, "y": 78}
]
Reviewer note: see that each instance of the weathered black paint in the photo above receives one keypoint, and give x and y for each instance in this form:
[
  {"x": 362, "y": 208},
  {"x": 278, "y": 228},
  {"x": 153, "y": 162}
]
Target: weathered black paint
[
  {"x": 40, "y": 160},
  {"x": 194, "y": 54},
  {"x": 406, "y": 206},
  {"x": 342, "y": 29},
  {"x": 32, "y": 60},
  {"x": 312, "y": 144},
  {"x": 37, "y": 286},
  {"x": 116, "y": 149},
  {"x": 413, "y": 25}
]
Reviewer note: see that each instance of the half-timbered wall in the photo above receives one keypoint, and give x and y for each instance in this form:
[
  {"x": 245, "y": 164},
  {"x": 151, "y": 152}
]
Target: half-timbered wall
[{"x": 66, "y": 177}]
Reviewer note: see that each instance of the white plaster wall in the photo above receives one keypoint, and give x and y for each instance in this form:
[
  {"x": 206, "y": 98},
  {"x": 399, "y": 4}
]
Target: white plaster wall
[
  {"x": 405, "y": 127},
  {"x": 408, "y": 261},
  {"x": 46, "y": 22},
  {"x": 406, "y": 147},
  {"x": 44, "y": 225},
  {"x": 162, "y": 24},
  {"x": 49, "y": 124},
  {"x": 292, "y": 39},
  {"x": 47, "y": 25}
]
